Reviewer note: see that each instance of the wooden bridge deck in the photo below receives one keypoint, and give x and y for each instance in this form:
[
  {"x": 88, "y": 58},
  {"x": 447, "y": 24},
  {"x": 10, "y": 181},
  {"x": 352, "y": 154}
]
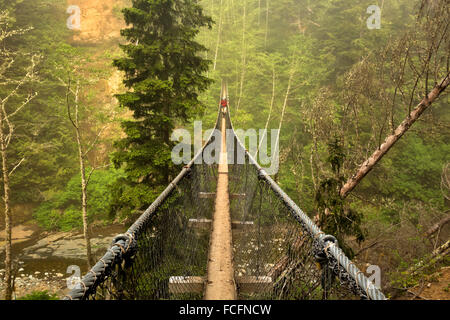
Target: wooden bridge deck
[{"x": 220, "y": 284}]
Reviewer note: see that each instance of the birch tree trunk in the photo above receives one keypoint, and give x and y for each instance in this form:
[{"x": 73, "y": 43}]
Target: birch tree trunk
[
  {"x": 87, "y": 236},
  {"x": 218, "y": 37},
  {"x": 259, "y": 12},
  {"x": 311, "y": 163},
  {"x": 244, "y": 58},
  {"x": 286, "y": 97},
  {"x": 270, "y": 111},
  {"x": 267, "y": 23},
  {"x": 7, "y": 133},
  {"x": 8, "y": 220},
  {"x": 84, "y": 182},
  {"x": 368, "y": 165}
]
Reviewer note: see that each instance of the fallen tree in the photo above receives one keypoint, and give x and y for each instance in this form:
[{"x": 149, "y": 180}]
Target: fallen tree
[
  {"x": 436, "y": 256},
  {"x": 376, "y": 156},
  {"x": 437, "y": 226}
]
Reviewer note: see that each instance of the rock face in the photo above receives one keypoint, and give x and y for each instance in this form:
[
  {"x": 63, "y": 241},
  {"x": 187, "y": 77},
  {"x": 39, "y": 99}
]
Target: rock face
[
  {"x": 99, "y": 20},
  {"x": 96, "y": 25},
  {"x": 65, "y": 245},
  {"x": 20, "y": 233}
]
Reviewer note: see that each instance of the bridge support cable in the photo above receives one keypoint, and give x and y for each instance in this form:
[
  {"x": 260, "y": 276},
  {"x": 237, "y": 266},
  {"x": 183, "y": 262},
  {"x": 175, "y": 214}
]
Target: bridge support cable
[
  {"x": 160, "y": 246},
  {"x": 309, "y": 264},
  {"x": 274, "y": 250}
]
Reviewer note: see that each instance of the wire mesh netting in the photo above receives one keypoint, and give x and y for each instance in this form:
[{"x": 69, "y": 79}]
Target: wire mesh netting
[
  {"x": 278, "y": 253},
  {"x": 168, "y": 248},
  {"x": 273, "y": 254}
]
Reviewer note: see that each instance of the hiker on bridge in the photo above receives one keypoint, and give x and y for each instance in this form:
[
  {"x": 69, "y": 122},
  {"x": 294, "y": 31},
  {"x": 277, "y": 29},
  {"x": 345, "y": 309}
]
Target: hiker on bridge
[{"x": 224, "y": 104}]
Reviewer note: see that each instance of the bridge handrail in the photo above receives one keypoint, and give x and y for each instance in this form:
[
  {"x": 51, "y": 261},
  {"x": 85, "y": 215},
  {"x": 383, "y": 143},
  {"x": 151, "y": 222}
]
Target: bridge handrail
[
  {"x": 123, "y": 245},
  {"x": 326, "y": 246},
  {"x": 326, "y": 249}
]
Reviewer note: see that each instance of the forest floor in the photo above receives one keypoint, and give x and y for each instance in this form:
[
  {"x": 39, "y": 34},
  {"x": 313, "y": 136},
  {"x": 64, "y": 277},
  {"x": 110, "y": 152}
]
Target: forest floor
[{"x": 436, "y": 287}]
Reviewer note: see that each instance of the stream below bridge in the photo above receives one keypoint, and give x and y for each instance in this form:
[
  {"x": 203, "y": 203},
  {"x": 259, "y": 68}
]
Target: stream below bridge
[{"x": 43, "y": 258}]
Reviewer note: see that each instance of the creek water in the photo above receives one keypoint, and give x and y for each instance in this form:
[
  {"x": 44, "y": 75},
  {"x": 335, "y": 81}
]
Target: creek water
[{"x": 52, "y": 264}]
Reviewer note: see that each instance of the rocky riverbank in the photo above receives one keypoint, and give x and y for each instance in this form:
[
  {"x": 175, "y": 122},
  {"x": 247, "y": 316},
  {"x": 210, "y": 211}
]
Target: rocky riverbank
[
  {"x": 67, "y": 245},
  {"x": 52, "y": 282},
  {"x": 47, "y": 260}
]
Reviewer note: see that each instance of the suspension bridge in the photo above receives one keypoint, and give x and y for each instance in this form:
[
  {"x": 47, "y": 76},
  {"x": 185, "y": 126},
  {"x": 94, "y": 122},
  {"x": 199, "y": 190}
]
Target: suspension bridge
[{"x": 224, "y": 231}]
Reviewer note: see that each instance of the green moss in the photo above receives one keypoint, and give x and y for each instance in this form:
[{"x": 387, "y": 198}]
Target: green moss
[{"x": 39, "y": 295}]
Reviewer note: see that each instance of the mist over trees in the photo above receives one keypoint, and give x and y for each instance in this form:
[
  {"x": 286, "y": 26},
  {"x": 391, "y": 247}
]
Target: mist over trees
[
  {"x": 364, "y": 143},
  {"x": 363, "y": 112}
]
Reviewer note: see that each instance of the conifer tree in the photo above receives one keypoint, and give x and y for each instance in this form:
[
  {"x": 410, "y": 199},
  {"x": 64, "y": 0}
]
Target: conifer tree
[{"x": 164, "y": 74}]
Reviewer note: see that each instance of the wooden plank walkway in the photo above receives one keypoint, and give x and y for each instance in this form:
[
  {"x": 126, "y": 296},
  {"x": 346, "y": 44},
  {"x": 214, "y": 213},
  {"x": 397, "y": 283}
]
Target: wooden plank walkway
[{"x": 220, "y": 284}]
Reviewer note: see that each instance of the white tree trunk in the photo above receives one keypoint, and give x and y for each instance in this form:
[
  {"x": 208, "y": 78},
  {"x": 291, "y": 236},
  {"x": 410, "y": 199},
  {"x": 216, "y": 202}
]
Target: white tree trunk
[
  {"x": 218, "y": 37},
  {"x": 84, "y": 182},
  {"x": 270, "y": 111},
  {"x": 87, "y": 237},
  {"x": 368, "y": 165},
  {"x": 8, "y": 218},
  {"x": 244, "y": 58},
  {"x": 286, "y": 97},
  {"x": 267, "y": 23}
]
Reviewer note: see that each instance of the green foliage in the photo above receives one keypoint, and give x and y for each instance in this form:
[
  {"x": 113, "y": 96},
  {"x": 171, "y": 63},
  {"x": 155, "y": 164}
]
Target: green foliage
[
  {"x": 411, "y": 273},
  {"x": 164, "y": 72},
  {"x": 417, "y": 167},
  {"x": 39, "y": 295},
  {"x": 403, "y": 280},
  {"x": 42, "y": 135},
  {"x": 336, "y": 217},
  {"x": 329, "y": 40},
  {"x": 325, "y": 43},
  {"x": 336, "y": 155},
  {"x": 63, "y": 210},
  {"x": 447, "y": 288},
  {"x": 390, "y": 214}
]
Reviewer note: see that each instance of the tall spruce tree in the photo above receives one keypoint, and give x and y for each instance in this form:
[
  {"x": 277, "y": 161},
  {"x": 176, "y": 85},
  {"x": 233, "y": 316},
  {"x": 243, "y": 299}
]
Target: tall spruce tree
[{"x": 164, "y": 73}]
